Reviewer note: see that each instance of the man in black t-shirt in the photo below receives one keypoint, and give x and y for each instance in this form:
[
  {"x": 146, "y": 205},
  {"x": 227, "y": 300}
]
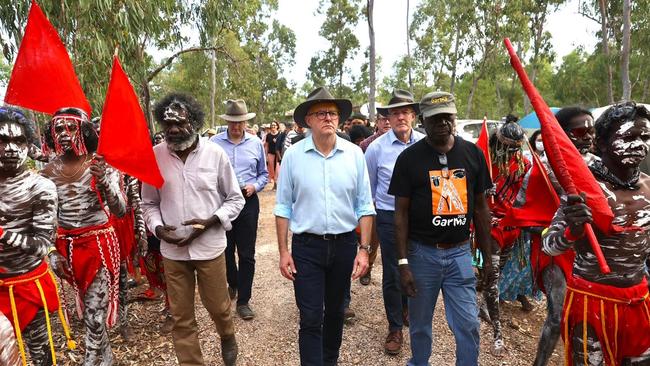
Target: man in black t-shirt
[{"x": 439, "y": 185}]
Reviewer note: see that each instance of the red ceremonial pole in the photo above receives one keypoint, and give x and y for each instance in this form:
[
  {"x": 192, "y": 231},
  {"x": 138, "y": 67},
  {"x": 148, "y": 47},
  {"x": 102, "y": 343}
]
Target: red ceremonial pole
[{"x": 546, "y": 118}]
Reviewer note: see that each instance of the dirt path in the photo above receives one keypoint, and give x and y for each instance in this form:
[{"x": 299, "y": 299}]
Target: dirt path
[{"x": 271, "y": 339}]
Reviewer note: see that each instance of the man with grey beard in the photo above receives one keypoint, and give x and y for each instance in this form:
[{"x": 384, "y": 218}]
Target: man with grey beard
[{"x": 190, "y": 214}]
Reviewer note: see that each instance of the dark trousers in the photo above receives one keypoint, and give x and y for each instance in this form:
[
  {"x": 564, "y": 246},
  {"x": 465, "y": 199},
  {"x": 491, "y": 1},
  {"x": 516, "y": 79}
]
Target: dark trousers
[
  {"x": 323, "y": 279},
  {"x": 394, "y": 300},
  {"x": 243, "y": 237}
]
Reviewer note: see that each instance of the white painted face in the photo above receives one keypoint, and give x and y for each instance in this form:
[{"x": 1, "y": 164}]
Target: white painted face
[
  {"x": 13, "y": 146},
  {"x": 630, "y": 141}
]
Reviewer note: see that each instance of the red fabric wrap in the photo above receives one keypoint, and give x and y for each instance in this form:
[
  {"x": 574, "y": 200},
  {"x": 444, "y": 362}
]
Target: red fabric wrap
[
  {"x": 26, "y": 295},
  {"x": 125, "y": 231},
  {"x": 87, "y": 250},
  {"x": 540, "y": 260},
  {"x": 620, "y": 317},
  {"x": 505, "y": 236},
  {"x": 152, "y": 267}
]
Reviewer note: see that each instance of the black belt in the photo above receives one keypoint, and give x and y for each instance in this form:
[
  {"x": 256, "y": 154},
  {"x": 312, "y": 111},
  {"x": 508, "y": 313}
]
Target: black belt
[
  {"x": 327, "y": 236},
  {"x": 448, "y": 245}
]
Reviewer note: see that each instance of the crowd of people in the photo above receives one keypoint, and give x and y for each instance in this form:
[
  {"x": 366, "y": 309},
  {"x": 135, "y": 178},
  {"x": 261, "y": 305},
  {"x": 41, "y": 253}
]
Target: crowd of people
[{"x": 440, "y": 209}]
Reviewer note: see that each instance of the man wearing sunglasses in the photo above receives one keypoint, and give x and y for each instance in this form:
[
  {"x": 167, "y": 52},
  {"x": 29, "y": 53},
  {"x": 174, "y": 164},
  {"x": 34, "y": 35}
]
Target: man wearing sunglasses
[
  {"x": 606, "y": 317},
  {"x": 578, "y": 123},
  {"x": 440, "y": 185}
]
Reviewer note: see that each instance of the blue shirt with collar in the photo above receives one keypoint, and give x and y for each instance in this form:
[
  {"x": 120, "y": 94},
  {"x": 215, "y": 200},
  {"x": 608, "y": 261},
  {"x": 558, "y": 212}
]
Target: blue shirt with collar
[
  {"x": 323, "y": 194},
  {"x": 247, "y": 158},
  {"x": 380, "y": 157}
]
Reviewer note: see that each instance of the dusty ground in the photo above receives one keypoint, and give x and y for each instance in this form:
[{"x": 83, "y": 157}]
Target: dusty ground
[{"x": 271, "y": 339}]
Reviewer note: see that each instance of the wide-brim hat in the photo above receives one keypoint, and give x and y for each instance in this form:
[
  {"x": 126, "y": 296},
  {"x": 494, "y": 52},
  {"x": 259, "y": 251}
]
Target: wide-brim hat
[
  {"x": 400, "y": 98},
  {"x": 236, "y": 111},
  {"x": 321, "y": 95}
]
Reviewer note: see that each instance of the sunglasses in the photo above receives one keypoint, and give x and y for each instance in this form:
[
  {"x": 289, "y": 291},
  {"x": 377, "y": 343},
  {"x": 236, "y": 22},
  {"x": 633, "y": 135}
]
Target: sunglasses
[{"x": 582, "y": 132}]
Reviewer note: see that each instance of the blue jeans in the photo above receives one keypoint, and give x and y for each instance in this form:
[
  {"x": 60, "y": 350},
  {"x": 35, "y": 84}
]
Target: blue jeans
[
  {"x": 394, "y": 300},
  {"x": 324, "y": 268},
  {"x": 449, "y": 270}
]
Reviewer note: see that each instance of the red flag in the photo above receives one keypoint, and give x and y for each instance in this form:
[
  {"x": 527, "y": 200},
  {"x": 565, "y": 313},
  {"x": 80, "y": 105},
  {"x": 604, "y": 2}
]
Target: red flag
[
  {"x": 567, "y": 163},
  {"x": 123, "y": 117},
  {"x": 483, "y": 143},
  {"x": 43, "y": 78},
  {"x": 541, "y": 200}
]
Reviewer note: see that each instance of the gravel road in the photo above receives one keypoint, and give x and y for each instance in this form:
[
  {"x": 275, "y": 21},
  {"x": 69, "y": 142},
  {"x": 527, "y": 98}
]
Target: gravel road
[{"x": 271, "y": 339}]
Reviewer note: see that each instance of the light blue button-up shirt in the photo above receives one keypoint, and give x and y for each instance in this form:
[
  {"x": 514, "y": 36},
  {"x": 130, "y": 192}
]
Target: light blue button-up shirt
[
  {"x": 323, "y": 194},
  {"x": 380, "y": 157},
  {"x": 248, "y": 158}
]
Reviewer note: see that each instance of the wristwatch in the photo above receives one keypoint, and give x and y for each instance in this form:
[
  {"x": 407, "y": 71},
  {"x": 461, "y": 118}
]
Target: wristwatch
[{"x": 365, "y": 247}]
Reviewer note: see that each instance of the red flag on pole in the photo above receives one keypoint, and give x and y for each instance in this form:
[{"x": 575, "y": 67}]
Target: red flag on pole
[
  {"x": 567, "y": 163},
  {"x": 124, "y": 139},
  {"x": 43, "y": 78},
  {"x": 483, "y": 143}
]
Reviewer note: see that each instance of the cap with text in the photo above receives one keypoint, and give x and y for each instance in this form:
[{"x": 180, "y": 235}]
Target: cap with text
[{"x": 436, "y": 103}]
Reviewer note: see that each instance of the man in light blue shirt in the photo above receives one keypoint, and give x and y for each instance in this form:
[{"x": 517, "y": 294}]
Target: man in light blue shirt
[
  {"x": 247, "y": 156},
  {"x": 323, "y": 194},
  {"x": 381, "y": 155}
]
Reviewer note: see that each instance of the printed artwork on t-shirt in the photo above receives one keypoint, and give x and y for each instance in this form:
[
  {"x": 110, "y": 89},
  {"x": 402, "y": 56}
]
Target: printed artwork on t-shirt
[{"x": 448, "y": 196}]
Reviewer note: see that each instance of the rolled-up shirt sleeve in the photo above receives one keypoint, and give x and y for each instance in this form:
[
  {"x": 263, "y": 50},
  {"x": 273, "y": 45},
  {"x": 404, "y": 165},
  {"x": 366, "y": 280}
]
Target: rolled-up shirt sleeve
[
  {"x": 229, "y": 189},
  {"x": 363, "y": 203},
  {"x": 151, "y": 207},
  {"x": 284, "y": 194}
]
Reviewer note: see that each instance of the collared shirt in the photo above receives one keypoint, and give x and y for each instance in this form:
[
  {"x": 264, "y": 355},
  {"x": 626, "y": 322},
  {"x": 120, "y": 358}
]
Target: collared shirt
[
  {"x": 204, "y": 186},
  {"x": 380, "y": 157},
  {"x": 247, "y": 158},
  {"x": 323, "y": 194}
]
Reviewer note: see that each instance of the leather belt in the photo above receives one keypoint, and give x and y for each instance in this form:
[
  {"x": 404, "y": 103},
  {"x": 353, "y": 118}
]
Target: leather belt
[
  {"x": 327, "y": 236},
  {"x": 448, "y": 245}
]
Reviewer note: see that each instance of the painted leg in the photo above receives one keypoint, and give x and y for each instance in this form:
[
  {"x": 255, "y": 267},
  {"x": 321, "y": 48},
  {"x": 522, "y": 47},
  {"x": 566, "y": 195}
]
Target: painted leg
[
  {"x": 37, "y": 341},
  {"x": 491, "y": 296},
  {"x": 123, "y": 310},
  {"x": 98, "y": 349},
  {"x": 9, "y": 354},
  {"x": 555, "y": 285},
  {"x": 594, "y": 355},
  {"x": 642, "y": 360}
]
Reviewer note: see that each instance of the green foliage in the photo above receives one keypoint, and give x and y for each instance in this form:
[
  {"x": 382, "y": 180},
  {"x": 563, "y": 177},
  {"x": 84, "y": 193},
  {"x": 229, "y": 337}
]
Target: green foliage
[{"x": 329, "y": 67}]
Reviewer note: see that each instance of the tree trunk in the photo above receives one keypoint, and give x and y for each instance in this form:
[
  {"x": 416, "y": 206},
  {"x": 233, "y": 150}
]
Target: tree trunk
[
  {"x": 454, "y": 63},
  {"x": 605, "y": 40},
  {"x": 146, "y": 100},
  {"x": 625, "y": 53},
  {"x": 499, "y": 100},
  {"x": 646, "y": 90},
  {"x": 372, "y": 66},
  {"x": 470, "y": 98},
  {"x": 213, "y": 86},
  {"x": 408, "y": 45}
]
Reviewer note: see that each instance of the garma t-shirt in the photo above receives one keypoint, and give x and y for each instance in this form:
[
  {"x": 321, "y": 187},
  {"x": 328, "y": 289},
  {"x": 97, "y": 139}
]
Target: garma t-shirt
[{"x": 442, "y": 197}]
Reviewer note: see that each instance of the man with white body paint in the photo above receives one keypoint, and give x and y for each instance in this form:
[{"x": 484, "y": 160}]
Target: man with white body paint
[
  {"x": 606, "y": 317},
  {"x": 28, "y": 207},
  {"x": 89, "y": 193}
]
